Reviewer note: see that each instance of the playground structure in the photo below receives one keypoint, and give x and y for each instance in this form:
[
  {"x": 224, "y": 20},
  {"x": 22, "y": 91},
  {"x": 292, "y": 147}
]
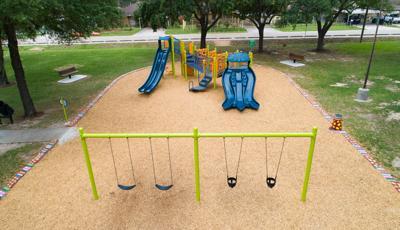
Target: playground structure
[
  {"x": 231, "y": 180},
  {"x": 204, "y": 63},
  {"x": 239, "y": 81},
  {"x": 159, "y": 63}
]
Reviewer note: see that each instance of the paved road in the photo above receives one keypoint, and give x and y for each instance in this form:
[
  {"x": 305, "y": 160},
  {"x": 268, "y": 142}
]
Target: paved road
[{"x": 147, "y": 35}]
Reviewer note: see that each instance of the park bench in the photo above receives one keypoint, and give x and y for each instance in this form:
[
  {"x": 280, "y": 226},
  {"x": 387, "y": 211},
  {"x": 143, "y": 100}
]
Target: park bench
[
  {"x": 6, "y": 112},
  {"x": 296, "y": 57},
  {"x": 67, "y": 72}
]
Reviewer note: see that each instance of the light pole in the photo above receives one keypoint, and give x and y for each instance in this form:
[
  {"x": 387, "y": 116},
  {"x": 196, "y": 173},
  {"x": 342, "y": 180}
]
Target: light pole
[{"x": 362, "y": 94}]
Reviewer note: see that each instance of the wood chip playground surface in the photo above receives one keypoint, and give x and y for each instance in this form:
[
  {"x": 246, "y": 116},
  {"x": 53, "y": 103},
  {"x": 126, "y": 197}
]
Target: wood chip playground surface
[{"x": 344, "y": 190}]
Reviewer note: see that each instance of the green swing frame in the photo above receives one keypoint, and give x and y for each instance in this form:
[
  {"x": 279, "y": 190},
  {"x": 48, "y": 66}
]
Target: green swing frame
[{"x": 196, "y": 136}]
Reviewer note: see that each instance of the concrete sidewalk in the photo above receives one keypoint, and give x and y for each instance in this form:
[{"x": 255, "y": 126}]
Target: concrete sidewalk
[
  {"x": 147, "y": 35},
  {"x": 31, "y": 135}
]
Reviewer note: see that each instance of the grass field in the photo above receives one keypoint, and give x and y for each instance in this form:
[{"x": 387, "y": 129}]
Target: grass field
[
  {"x": 125, "y": 31},
  {"x": 375, "y": 124},
  {"x": 313, "y": 27},
  {"x": 193, "y": 30}
]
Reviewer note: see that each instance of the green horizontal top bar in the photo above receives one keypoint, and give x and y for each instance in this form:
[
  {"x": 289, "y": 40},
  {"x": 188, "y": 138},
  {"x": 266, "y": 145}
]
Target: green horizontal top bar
[
  {"x": 190, "y": 135},
  {"x": 136, "y": 135},
  {"x": 256, "y": 135}
]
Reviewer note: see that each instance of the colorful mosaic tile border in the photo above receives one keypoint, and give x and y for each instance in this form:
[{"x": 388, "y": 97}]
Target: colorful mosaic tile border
[
  {"x": 24, "y": 170},
  {"x": 390, "y": 178}
]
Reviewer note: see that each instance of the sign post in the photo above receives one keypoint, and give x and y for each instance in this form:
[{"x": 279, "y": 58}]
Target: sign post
[{"x": 65, "y": 105}]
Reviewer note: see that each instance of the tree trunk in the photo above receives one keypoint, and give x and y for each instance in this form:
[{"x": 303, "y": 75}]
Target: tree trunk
[
  {"x": 364, "y": 22},
  {"x": 16, "y": 63},
  {"x": 261, "y": 38},
  {"x": 320, "y": 43},
  {"x": 321, "y": 36},
  {"x": 203, "y": 40},
  {"x": 3, "y": 75}
]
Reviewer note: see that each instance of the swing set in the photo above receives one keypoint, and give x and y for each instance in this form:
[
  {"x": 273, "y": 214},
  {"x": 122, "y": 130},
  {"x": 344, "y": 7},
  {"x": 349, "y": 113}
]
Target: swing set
[
  {"x": 133, "y": 185},
  {"x": 231, "y": 179}
]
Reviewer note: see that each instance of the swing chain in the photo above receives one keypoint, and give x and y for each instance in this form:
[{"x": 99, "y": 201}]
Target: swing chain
[
  {"x": 131, "y": 161},
  {"x": 113, "y": 159},
  {"x": 280, "y": 157},
  {"x": 152, "y": 159},
  {"x": 170, "y": 163}
]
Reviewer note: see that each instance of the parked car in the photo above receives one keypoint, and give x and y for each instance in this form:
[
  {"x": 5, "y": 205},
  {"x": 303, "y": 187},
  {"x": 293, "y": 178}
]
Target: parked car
[
  {"x": 396, "y": 20},
  {"x": 388, "y": 19},
  {"x": 354, "y": 20},
  {"x": 385, "y": 19}
]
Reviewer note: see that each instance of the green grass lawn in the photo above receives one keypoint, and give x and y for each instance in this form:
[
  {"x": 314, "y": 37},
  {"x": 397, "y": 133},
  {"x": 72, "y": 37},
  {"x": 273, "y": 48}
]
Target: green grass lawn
[
  {"x": 373, "y": 123},
  {"x": 193, "y": 30},
  {"x": 125, "y": 31},
  {"x": 313, "y": 27},
  {"x": 101, "y": 62}
]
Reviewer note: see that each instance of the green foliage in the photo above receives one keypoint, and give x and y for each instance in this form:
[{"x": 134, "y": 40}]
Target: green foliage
[
  {"x": 156, "y": 13},
  {"x": 260, "y": 12},
  {"x": 64, "y": 19},
  {"x": 376, "y": 4}
]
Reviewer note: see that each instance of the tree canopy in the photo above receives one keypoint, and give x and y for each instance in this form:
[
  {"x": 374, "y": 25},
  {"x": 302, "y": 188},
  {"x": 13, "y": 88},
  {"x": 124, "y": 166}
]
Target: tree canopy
[
  {"x": 64, "y": 19},
  {"x": 206, "y": 12},
  {"x": 325, "y": 13},
  {"x": 260, "y": 13}
]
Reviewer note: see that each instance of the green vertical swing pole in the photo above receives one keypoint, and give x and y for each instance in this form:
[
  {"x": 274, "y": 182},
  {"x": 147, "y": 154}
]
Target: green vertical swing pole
[
  {"x": 173, "y": 55},
  {"x": 309, "y": 163},
  {"x": 196, "y": 162},
  {"x": 88, "y": 165}
]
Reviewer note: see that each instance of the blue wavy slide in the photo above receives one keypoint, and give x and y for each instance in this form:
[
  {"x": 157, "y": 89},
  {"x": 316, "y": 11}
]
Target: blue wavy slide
[
  {"x": 157, "y": 71},
  {"x": 239, "y": 89}
]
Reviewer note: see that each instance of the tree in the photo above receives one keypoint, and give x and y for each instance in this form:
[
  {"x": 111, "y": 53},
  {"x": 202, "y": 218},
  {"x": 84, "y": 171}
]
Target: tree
[
  {"x": 63, "y": 19},
  {"x": 260, "y": 13},
  {"x": 325, "y": 13},
  {"x": 3, "y": 75},
  {"x": 207, "y": 13}
]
